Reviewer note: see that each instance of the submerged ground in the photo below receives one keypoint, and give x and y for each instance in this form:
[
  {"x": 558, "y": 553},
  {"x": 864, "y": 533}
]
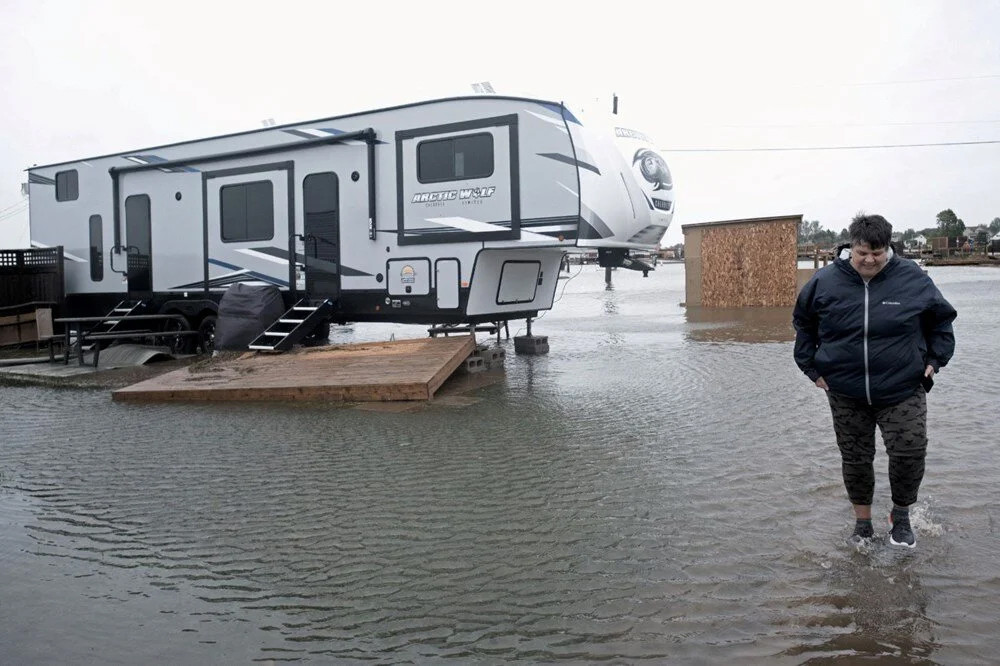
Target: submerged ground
[{"x": 663, "y": 485}]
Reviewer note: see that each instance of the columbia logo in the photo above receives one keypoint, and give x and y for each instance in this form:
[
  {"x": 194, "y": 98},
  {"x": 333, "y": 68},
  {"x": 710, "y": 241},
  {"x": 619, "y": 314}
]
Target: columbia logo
[{"x": 890, "y": 302}]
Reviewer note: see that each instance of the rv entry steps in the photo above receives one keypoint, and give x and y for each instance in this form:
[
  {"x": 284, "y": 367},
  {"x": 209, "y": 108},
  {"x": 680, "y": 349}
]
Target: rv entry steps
[
  {"x": 293, "y": 326},
  {"x": 365, "y": 372},
  {"x": 111, "y": 320}
]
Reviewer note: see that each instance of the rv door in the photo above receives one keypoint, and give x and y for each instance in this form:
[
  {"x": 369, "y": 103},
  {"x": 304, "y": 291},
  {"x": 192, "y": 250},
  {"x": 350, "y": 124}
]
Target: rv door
[
  {"x": 321, "y": 215},
  {"x": 138, "y": 246}
]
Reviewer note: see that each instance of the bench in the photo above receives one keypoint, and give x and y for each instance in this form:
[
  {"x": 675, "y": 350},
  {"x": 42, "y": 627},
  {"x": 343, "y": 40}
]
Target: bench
[
  {"x": 124, "y": 335},
  {"x": 78, "y": 326}
]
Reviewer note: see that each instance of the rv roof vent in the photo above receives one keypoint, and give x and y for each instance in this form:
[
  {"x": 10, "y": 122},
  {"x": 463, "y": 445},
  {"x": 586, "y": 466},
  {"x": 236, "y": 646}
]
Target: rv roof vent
[{"x": 483, "y": 88}]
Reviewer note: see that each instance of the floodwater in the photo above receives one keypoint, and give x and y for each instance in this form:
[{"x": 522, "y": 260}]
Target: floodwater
[{"x": 662, "y": 486}]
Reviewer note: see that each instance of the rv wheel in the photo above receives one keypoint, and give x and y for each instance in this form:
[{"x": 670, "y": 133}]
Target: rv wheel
[
  {"x": 206, "y": 335},
  {"x": 179, "y": 344}
]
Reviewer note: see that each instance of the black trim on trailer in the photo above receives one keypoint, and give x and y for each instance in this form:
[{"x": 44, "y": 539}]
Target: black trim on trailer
[
  {"x": 372, "y": 222},
  {"x": 579, "y": 193},
  {"x": 510, "y": 122},
  {"x": 99, "y": 303},
  {"x": 190, "y": 308},
  {"x": 369, "y": 306},
  {"x": 367, "y": 134},
  {"x": 116, "y": 219},
  {"x": 531, "y": 100}
]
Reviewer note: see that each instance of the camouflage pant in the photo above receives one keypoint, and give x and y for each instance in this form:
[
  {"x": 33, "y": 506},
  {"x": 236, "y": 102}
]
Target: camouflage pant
[{"x": 904, "y": 430}]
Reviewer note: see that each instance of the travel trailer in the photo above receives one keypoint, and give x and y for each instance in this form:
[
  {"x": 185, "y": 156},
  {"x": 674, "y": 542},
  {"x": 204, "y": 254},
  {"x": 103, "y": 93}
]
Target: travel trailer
[{"x": 446, "y": 211}]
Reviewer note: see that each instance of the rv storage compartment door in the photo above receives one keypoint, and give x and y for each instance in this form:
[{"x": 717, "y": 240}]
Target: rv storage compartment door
[
  {"x": 458, "y": 182},
  {"x": 518, "y": 282},
  {"x": 446, "y": 283},
  {"x": 408, "y": 277}
]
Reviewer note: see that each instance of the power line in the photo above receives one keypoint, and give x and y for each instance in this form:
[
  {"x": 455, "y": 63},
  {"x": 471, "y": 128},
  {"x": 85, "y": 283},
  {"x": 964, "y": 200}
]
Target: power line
[
  {"x": 14, "y": 205},
  {"x": 904, "y": 81},
  {"x": 886, "y": 124},
  {"x": 808, "y": 148},
  {"x": 12, "y": 213}
]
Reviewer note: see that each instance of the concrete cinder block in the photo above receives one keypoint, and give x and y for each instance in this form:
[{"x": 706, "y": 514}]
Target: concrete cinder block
[
  {"x": 473, "y": 364},
  {"x": 531, "y": 344},
  {"x": 493, "y": 357}
]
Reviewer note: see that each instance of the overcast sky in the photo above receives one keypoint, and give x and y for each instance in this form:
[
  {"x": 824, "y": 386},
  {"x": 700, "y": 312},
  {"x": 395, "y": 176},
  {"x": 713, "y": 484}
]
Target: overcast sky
[{"x": 86, "y": 78}]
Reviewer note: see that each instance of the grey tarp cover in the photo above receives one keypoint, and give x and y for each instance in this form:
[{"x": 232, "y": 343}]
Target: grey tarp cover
[{"x": 244, "y": 312}]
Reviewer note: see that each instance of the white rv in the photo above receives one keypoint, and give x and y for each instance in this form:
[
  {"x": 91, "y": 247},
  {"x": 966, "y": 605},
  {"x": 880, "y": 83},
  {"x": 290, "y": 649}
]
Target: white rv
[{"x": 446, "y": 211}]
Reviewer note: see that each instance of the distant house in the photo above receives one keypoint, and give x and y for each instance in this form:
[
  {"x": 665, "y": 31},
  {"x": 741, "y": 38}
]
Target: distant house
[{"x": 917, "y": 241}]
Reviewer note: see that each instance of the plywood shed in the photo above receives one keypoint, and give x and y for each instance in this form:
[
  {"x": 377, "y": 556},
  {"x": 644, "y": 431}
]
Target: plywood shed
[{"x": 742, "y": 263}]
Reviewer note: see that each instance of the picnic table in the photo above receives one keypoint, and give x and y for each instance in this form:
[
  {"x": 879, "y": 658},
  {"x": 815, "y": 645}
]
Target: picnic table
[{"x": 82, "y": 328}]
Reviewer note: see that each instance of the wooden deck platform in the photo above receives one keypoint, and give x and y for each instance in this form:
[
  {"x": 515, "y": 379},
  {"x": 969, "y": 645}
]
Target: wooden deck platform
[{"x": 376, "y": 371}]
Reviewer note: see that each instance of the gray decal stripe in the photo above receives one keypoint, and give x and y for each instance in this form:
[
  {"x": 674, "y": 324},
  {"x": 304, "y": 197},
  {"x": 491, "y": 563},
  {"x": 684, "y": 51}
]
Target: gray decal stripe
[
  {"x": 592, "y": 226},
  {"x": 563, "y": 112},
  {"x": 569, "y": 224},
  {"x": 227, "y": 280},
  {"x": 649, "y": 235},
  {"x": 347, "y": 271},
  {"x": 566, "y": 159},
  {"x": 40, "y": 180},
  {"x": 301, "y": 259},
  {"x": 304, "y": 135}
]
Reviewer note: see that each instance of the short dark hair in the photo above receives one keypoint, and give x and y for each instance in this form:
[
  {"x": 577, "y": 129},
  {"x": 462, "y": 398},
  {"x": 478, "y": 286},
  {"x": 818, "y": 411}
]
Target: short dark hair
[{"x": 874, "y": 230}]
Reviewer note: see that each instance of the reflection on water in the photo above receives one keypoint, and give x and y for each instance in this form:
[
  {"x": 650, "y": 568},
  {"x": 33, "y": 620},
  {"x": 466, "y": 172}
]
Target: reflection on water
[
  {"x": 876, "y": 606},
  {"x": 635, "y": 495},
  {"x": 740, "y": 324}
]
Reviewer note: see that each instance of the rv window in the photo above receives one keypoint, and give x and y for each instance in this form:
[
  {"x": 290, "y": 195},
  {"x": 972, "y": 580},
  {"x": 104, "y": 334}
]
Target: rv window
[
  {"x": 67, "y": 186},
  {"x": 455, "y": 158},
  {"x": 247, "y": 211},
  {"x": 96, "y": 249}
]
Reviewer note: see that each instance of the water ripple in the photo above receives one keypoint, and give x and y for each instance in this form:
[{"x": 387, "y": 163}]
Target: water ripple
[{"x": 657, "y": 488}]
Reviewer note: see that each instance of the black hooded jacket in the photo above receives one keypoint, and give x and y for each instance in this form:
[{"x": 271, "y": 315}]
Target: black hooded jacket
[{"x": 874, "y": 341}]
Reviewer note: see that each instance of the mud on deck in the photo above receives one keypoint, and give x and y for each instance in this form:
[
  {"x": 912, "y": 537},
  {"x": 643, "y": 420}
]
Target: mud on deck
[{"x": 371, "y": 371}]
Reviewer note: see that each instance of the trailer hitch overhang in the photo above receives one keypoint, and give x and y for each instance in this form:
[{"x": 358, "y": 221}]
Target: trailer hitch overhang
[{"x": 618, "y": 257}]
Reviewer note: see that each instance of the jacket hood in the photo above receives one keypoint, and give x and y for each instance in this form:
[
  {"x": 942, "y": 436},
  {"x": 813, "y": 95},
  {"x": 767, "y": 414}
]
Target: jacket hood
[{"x": 843, "y": 261}]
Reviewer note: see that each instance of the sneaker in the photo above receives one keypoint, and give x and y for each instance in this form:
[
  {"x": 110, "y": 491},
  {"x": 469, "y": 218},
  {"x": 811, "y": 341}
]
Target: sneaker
[{"x": 901, "y": 533}]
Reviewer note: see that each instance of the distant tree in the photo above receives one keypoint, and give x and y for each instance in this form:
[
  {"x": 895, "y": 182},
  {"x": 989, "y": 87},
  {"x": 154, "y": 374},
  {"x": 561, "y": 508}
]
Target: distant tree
[
  {"x": 845, "y": 236},
  {"x": 995, "y": 226},
  {"x": 808, "y": 230},
  {"x": 909, "y": 234},
  {"x": 982, "y": 237},
  {"x": 830, "y": 237},
  {"x": 949, "y": 224}
]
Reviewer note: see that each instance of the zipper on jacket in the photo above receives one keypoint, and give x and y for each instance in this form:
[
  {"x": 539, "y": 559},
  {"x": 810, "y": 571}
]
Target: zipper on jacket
[{"x": 868, "y": 390}]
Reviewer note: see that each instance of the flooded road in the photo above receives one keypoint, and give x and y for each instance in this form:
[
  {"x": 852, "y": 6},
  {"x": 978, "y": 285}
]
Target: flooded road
[{"x": 663, "y": 486}]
